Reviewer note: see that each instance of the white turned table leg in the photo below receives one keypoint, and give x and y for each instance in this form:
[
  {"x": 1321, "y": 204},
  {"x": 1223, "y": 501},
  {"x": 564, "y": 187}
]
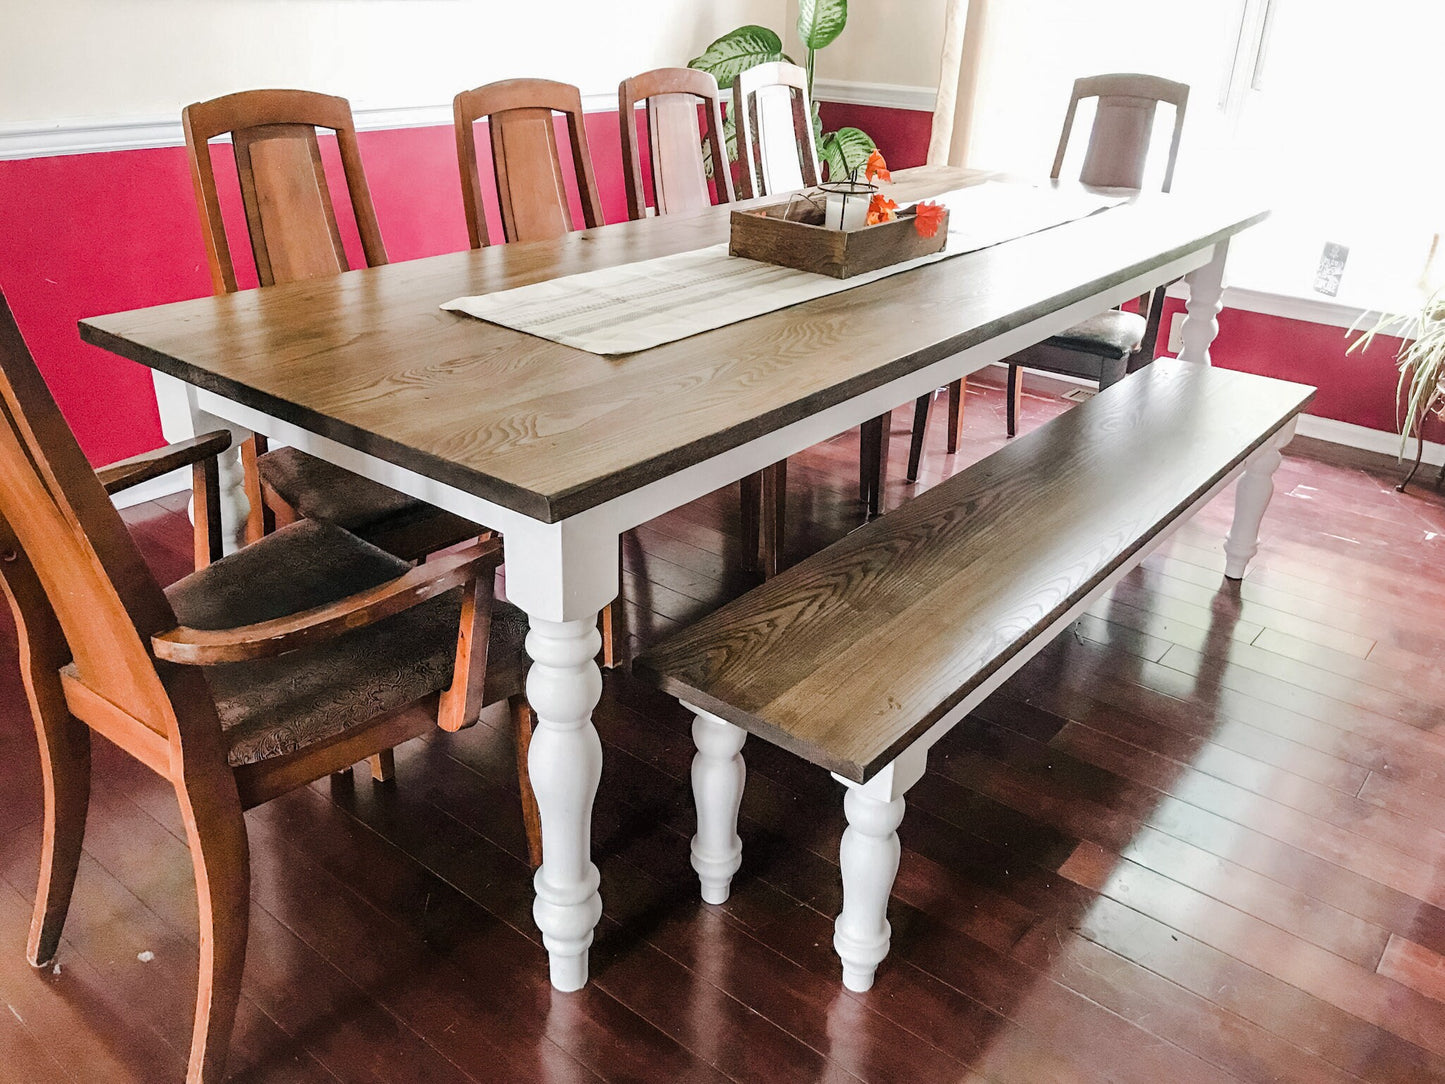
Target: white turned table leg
[
  {"x": 1206, "y": 298},
  {"x": 181, "y": 419},
  {"x": 718, "y": 775},
  {"x": 1251, "y": 498},
  {"x": 869, "y": 857},
  {"x": 565, "y": 765}
]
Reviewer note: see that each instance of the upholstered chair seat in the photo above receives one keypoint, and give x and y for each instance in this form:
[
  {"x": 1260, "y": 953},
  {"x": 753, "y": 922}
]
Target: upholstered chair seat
[{"x": 272, "y": 707}]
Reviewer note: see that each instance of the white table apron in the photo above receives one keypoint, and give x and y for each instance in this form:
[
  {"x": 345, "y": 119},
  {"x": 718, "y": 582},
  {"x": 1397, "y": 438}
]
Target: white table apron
[{"x": 562, "y": 574}]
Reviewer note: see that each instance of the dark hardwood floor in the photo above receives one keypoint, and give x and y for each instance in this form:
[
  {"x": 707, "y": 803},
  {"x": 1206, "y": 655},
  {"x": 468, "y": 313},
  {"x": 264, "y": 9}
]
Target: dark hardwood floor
[{"x": 1200, "y": 837}]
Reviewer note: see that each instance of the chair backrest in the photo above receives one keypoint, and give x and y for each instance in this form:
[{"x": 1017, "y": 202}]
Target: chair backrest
[
  {"x": 289, "y": 213},
  {"x": 106, "y": 600},
  {"x": 775, "y": 130},
  {"x": 679, "y": 171},
  {"x": 1123, "y": 125},
  {"x": 531, "y": 193}
]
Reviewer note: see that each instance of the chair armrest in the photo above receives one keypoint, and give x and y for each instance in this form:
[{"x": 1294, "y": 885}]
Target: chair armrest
[
  {"x": 142, "y": 468},
  {"x": 265, "y": 639}
]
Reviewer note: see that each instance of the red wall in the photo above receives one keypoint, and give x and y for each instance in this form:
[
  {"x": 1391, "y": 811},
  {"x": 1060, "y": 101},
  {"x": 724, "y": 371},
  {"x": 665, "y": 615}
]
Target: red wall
[
  {"x": 1358, "y": 388},
  {"x": 82, "y": 235},
  {"x": 86, "y": 234}
]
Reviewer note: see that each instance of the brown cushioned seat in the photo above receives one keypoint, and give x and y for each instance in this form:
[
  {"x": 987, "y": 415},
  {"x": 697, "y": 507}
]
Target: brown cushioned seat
[
  {"x": 270, "y": 707},
  {"x": 321, "y": 490},
  {"x": 1113, "y": 334}
]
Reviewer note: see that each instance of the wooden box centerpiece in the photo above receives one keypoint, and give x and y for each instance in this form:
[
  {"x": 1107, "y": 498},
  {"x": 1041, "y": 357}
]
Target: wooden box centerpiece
[{"x": 792, "y": 234}]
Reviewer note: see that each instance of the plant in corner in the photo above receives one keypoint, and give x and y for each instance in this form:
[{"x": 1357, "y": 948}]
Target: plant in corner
[
  {"x": 820, "y": 22},
  {"x": 1421, "y": 360}
]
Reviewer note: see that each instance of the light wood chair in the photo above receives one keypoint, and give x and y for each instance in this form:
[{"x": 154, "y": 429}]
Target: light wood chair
[
  {"x": 531, "y": 191},
  {"x": 293, "y": 233},
  {"x": 679, "y": 172},
  {"x": 532, "y": 197},
  {"x": 265, "y": 670},
  {"x": 1106, "y": 347},
  {"x": 776, "y": 149}
]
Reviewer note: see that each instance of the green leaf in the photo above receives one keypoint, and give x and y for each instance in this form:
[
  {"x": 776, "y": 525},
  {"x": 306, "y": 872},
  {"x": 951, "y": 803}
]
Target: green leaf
[
  {"x": 730, "y": 143},
  {"x": 821, "y": 21},
  {"x": 737, "y": 51},
  {"x": 844, "y": 151}
]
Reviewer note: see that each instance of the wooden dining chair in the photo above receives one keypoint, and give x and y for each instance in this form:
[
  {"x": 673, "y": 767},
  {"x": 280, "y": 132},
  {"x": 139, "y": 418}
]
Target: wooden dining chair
[
  {"x": 776, "y": 148},
  {"x": 267, "y": 669},
  {"x": 293, "y": 232},
  {"x": 1106, "y": 347},
  {"x": 673, "y": 97},
  {"x": 532, "y": 197},
  {"x": 527, "y": 168},
  {"x": 679, "y": 171}
]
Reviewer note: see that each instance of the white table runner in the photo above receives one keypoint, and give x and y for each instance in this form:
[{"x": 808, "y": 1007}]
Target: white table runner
[{"x": 620, "y": 310}]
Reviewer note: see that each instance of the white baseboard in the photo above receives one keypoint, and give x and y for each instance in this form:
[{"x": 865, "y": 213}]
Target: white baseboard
[
  {"x": 177, "y": 481},
  {"x": 1370, "y": 440}
]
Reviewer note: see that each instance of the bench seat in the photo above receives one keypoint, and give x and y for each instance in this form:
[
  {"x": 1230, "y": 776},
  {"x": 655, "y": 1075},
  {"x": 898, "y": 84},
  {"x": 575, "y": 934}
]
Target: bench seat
[{"x": 860, "y": 657}]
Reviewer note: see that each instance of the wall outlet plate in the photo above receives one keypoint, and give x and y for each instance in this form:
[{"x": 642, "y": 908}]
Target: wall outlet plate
[{"x": 1176, "y": 333}]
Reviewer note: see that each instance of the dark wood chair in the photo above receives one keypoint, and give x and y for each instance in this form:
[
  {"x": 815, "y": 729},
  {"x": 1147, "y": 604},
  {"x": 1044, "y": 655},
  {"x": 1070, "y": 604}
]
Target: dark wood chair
[
  {"x": 292, "y": 228},
  {"x": 531, "y": 192},
  {"x": 298, "y": 655},
  {"x": 1106, "y": 347}
]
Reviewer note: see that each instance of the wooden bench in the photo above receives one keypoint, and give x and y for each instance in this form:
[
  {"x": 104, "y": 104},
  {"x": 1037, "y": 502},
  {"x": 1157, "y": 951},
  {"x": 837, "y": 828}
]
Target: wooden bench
[{"x": 863, "y": 656}]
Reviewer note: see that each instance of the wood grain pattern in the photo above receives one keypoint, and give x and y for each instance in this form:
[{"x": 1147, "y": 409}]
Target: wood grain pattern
[
  {"x": 368, "y": 359},
  {"x": 850, "y": 656}
]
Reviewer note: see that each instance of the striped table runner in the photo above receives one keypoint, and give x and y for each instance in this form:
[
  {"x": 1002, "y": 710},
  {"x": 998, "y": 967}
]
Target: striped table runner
[{"x": 620, "y": 310}]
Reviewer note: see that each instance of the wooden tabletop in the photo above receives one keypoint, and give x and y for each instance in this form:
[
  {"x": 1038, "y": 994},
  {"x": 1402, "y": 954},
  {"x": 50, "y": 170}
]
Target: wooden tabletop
[{"x": 368, "y": 359}]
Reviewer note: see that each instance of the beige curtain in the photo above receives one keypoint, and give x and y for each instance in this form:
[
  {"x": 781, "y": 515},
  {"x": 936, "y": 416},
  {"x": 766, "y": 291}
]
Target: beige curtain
[{"x": 965, "y": 35}]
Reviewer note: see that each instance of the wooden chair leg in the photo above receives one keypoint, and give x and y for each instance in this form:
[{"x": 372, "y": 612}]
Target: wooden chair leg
[
  {"x": 221, "y": 861},
  {"x": 260, "y": 520},
  {"x": 1014, "y": 398},
  {"x": 775, "y": 514},
  {"x": 522, "y": 720},
  {"x": 383, "y": 766},
  {"x": 751, "y": 495},
  {"x": 920, "y": 428},
  {"x": 206, "y": 511},
  {"x": 955, "y": 413},
  {"x": 613, "y": 624},
  {"x": 65, "y": 766},
  {"x": 873, "y": 467}
]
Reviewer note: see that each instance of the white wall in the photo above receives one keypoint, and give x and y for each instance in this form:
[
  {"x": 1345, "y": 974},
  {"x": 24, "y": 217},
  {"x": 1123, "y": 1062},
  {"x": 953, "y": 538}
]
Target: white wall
[
  {"x": 886, "y": 41},
  {"x": 102, "y": 59}
]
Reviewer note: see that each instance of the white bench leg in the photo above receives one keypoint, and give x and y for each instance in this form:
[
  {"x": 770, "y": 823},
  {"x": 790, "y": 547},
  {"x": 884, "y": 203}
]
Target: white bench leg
[
  {"x": 1251, "y": 498},
  {"x": 869, "y": 860},
  {"x": 869, "y": 857},
  {"x": 718, "y": 774}
]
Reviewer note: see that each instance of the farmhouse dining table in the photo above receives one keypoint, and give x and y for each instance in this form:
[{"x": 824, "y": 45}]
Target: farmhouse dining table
[{"x": 562, "y": 450}]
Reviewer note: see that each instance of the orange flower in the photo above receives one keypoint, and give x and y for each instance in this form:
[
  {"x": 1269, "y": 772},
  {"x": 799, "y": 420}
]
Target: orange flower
[
  {"x": 877, "y": 168},
  {"x": 927, "y": 218},
  {"x": 881, "y": 209}
]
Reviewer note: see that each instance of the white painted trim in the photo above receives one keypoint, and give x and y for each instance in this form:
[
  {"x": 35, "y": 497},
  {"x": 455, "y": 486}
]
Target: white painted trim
[
  {"x": 177, "y": 481},
  {"x": 36, "y": 139},
  {"x": 1314, "y": 310},
  {"x": 883, "y": 95}
]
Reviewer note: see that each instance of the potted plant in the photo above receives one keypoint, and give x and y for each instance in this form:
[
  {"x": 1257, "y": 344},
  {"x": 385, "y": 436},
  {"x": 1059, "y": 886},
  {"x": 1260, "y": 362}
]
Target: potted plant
[
  {"x": 842, "y": 152},
  {"x": 1421, "y": 359}
]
